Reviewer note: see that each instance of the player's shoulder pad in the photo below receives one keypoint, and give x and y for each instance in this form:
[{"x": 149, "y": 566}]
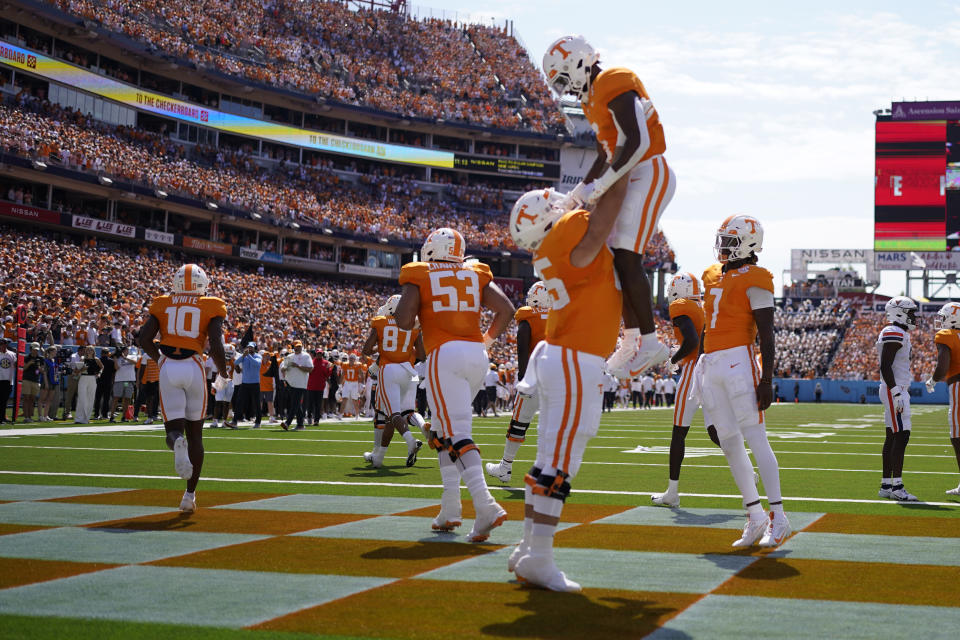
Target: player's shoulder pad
[
  {"x": 614, "y": 81},
  {"x": 945, "y": 336},
  {"x": 891, "y": 333},
  {"x": 482, "y": 269},
  {"x": 683, "y": 307},
  {"x": 218, "y": 305},
  {"x": 758, "y": 277},
  {"x": 414, "y": 272}
]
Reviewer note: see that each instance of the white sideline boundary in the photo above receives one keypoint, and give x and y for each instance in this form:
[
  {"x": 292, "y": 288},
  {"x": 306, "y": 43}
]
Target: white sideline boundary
[{"x": 440, "y": 486}]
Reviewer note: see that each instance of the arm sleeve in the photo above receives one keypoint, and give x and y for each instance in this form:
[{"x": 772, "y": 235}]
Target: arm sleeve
[{"x": 759, "y": 298}]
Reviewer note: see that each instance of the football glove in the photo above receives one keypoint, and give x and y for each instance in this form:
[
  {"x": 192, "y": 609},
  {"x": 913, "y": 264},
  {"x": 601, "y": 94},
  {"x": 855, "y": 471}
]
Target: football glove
[
  {"x": 931, "y": 384},
  {"x": 897, "y": 394}
]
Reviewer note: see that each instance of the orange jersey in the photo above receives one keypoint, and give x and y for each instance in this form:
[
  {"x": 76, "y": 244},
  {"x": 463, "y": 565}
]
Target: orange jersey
[
  {"x": 351, "y": 372},
  {"x": 607, "y": 86},
  {"x": 728, "y": 315},
  {"x": 149, "y": 371},
  {"x": 395, "y": 345},
  {"x": 537, "y": 319},
  {"x": 587, "y": 305},
  {"x": 450, "y": 296},
  {"x": 184, "y": 319},
  {"x": 266, "y": 382},
  {"x": 950, "y": 338},
  {"x": 693, "y": 310}
]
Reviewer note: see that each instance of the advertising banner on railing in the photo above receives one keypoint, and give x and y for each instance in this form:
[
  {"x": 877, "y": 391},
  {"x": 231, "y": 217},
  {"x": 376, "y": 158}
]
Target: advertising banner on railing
[
  {"x": 308, "y": 264},
  {"x": 363, "y": 270},
  {"x": 158, "y": 236},
  {"x": 29, "y": 213},
  {"x": 210, "y": 246},
  {"x": 104, "y": 226},
  {"x": 263, "y": 256},
  {"x": 84, "y": 80}
]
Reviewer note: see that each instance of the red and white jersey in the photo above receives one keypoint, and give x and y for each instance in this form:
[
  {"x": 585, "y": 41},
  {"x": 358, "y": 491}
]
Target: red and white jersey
[{"x": 901, "y": 362}]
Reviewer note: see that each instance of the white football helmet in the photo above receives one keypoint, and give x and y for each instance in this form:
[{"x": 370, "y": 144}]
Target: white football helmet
[
  {"x": 532, "y": 215},
  {"x": 948, "y": 317},
  {"x": 902, "y": 310},
  {"x": 443, "y": 245},
  {"x": 684, "y": 285},
  {"x": 381, "y": 310},
  {"x": 738, "y": 237},
  {"x": 568, "y": 64},
  {"x": 390, "y": 306},
  {"x": 538, "y": 296},
  {"x": 190, "y": 279}
]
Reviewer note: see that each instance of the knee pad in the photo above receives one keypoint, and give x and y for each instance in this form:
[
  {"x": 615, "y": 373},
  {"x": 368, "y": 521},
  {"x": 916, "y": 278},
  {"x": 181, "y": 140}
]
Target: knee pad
[
  {"x": 517, "y": 432},
  {"x": 434, "y": 441},
  {"x": 532, "y": 476},
  {"x": 556, "y": 487},
  {"x": 460, "y": 447}
]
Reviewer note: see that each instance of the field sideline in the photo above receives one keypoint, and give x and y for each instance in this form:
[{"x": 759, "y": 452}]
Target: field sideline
[{"x": 297, "y": 537}]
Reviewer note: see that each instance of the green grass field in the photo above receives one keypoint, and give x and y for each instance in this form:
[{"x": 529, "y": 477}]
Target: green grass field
[{"x": 297, "y": 535}]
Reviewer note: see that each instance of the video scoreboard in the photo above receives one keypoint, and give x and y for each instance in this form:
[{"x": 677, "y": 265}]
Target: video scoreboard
[{"x": 917, "y": 178}]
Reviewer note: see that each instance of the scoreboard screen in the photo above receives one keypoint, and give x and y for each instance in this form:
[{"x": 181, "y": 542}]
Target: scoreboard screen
[{"x": 917, "y": 186}]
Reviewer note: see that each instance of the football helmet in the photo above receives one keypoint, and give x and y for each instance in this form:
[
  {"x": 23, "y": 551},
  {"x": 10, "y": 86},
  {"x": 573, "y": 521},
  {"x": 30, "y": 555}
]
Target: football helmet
[
  {"x": 532, "y": 215},
  {"x": 684, "y": 285},
  {"x": 902, "y": 310},
  {"x": 190, "y": 279},
  {"x": 738, "y": 238},
  {"x": 443, "y": 245},
  {"x": 538, "y": 296},
  {"x": 568, "y": 64},
  {"x": 948, "y": 317},
  {"x": 390, "y": 306}
]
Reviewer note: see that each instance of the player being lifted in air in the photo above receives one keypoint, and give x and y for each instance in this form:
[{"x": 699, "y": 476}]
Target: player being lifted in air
[
  {"x": 446, "y": 294},
  {"x": 948, "y": 369},
  {"x": 567, "y": 368},
  {"x": 531, "y": 329},
  {"x": 397, "y": 351},
  {"x": 893, "y": 347},
  {"x": 735, "y": 391},
  {"x": 185, "y": 320},
  {"x": 630, "y": 142}
]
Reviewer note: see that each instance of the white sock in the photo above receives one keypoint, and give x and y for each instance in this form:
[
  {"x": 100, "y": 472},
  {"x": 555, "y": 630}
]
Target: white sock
[
  {"x": 896, "y": 482},
  {"x": 190, "y": 494},
  {"x": 541, "y": 539},
  {"x": 742, "y": 470},
  {"x": 377, "y": 438},
  {"x": 631, "y": 335},
  {"x": 450, "y": 477},
  {"x": 474, "y": 479},
  {"x": 527, "y": 521},
  {"x": 409, "y": 439},
  {"x": 885, "y": 481},
  {"x": 673, "y": 487},
  {"x": 510, "y": 449},
  {"x": 777, "y": 509},
  {"x": 647, "y": 339},
  {"x": 766, "y": 461}
]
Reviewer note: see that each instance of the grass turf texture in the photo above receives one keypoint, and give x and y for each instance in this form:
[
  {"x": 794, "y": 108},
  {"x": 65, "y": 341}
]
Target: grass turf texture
[{"x": 829, "y": 457}]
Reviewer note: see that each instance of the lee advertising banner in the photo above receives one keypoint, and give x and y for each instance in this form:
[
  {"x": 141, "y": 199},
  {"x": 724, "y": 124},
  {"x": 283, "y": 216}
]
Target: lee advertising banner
[
  {"x": 84, "y": 80},
  {"x": 104, "y": 226}
]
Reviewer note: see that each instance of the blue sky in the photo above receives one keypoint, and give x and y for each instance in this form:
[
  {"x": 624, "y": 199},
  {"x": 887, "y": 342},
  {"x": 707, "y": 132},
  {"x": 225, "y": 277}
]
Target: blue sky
[{"x": 767, "y": 107}]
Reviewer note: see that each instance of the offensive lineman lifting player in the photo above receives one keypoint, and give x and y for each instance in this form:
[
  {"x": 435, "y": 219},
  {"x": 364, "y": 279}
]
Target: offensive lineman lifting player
[
  {"x": 630, "y": 142},
  {"x": 185, "y": 320}
]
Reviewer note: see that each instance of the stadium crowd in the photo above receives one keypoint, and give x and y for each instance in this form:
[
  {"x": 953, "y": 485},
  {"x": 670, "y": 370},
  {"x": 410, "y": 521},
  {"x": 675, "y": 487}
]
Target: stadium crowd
[
  {"x": 417, "y": 68},
  {"x": 79, "y": 293},
  {"x": 857, "y": 357},
  {"x": 807, "y": 335}
]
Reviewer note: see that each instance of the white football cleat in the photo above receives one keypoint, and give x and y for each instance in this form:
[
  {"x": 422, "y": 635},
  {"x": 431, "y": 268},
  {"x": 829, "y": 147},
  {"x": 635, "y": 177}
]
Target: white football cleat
[
  {"x": 885, "y": 492},
  {"x": 368, "y": 456},
  {"x": 665, "y": 499},
  {"x": 496, "y": 470},
  {"x": 777, "y": 531},
  {"x": 521, "y": 550},
  {"x": 188, "y": 505},
  {"x": 639, "y": 359},
  {"x": 488, "y": 518},
  {"x": 412, "y": 455},
  {"x": 953, "y": 492},
  {"x": 903, "y": 495},
  {"x": 448, "y": 519},
  {"x": 181, "y": 458},
  {"x": 752, "y": 531},
  {"x": 539, "y": 570}
]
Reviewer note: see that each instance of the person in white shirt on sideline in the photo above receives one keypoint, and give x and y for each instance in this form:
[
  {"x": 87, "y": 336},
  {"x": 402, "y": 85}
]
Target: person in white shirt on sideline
[{"x": 296, "y": 367}]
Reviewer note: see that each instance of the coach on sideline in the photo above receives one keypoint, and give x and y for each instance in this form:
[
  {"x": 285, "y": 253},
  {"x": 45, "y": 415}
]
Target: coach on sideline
[
  {"x": 249, "y": 392},
  {"x": 297, "y": 367}
]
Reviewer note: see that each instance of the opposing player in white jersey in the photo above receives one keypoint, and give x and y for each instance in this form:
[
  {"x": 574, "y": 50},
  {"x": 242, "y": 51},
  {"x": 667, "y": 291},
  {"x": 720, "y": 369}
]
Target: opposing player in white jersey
[
  {"x": 531, "y": 329},
  {"x": 447, "y": 293},
  {"x": 630, "y": 143},
  {"x": 184, "y": 321},
  {"x": 948, "y": 370},
  {"x": 397, "y": 351},
  {"x": 893, "y": 347}
]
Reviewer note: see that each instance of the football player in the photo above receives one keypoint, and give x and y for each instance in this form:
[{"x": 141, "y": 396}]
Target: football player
[
  {"x": 223, "y": 389},
  {"x": 447, "y": 294},
  {"x": 567, "y": 368},
  {"x": 351, "y": 374},
  {"x": 734, "y": 390},
  {"x": 398, "y": 350},
  {"x": 531, "y": 328},
  {"x": 948, "y": 368},
  {"x": 893, "y": 347},
  {"x": 185, "y": 320},
  {"x": 630, "y": 143},
  {"x": 686, "y": 314}
]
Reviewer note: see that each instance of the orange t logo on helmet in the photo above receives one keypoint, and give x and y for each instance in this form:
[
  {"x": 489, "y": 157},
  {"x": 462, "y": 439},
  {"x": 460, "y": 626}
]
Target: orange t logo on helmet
[{"x": 559, "y": 48}]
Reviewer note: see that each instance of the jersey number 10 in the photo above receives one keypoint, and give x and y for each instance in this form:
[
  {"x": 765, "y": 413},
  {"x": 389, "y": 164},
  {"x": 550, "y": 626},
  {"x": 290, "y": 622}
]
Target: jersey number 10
[{"x": 183, "y": 321}]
